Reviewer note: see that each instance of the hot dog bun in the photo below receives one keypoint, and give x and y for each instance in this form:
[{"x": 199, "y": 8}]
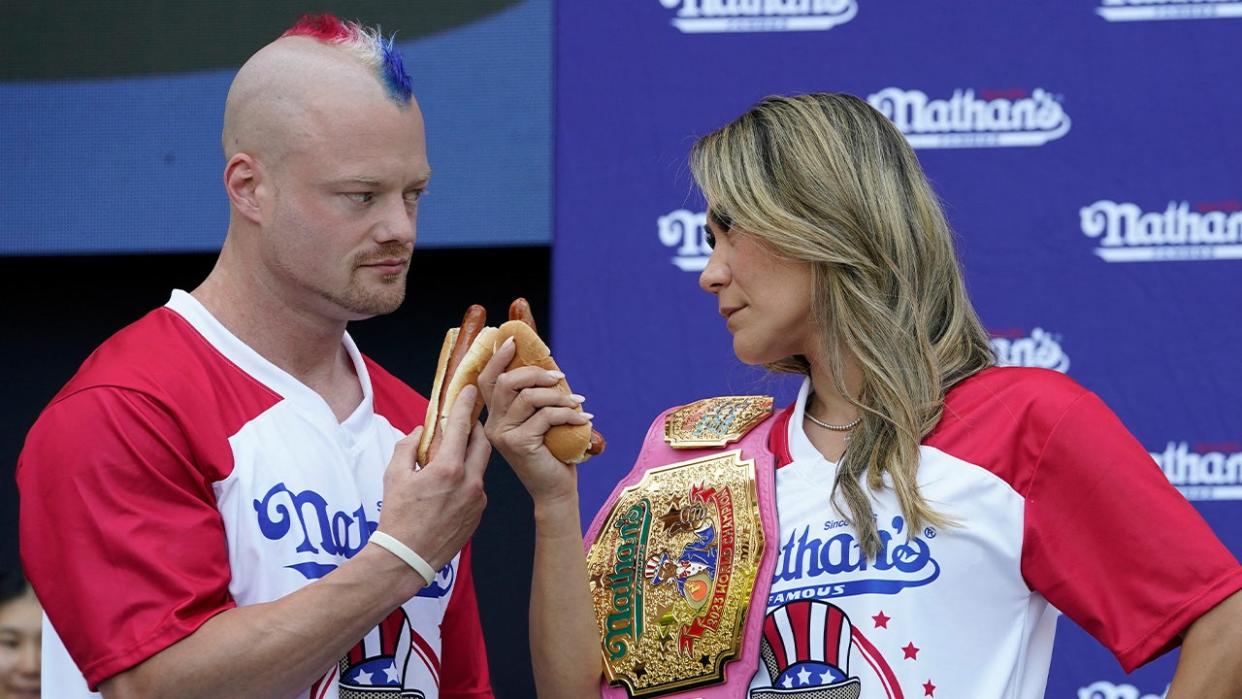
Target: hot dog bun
[
  {"x": 568, "y": 443},
  {"x": 444, "y": 394}
]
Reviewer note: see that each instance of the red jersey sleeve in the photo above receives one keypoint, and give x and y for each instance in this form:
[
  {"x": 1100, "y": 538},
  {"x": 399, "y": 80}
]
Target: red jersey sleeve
[
  {"x": 1113, "y": 545},
  {"x": 120, "y": 535},
  {"x": 464, "y": 666}
]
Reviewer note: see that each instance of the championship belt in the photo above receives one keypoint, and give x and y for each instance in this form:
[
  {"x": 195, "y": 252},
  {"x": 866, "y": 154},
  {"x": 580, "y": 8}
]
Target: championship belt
[{"x": 674, "y": 564}]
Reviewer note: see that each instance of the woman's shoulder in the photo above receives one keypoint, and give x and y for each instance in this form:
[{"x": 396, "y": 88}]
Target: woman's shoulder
[
  {"x": 1002, "y": 403},
  {"x": 1030, "y": 388}
]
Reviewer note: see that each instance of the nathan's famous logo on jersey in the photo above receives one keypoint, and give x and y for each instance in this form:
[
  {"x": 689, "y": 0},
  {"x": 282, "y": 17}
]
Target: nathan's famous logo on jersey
[
  {"x": 966, "y": 119},
  {"x": 1160, "y": 10},
  {"x": 1205, "y": 472},
  {"x": 1039, "y": 348},
  {"x": 727, "y": 16},
  {"x": 1107, "y": 690},
  {"x": 903, "y": 561},
  {"x": 685, "y": 231},
  {"x": 1182, "y": 231},
  {"x": 324, "y": 535}
]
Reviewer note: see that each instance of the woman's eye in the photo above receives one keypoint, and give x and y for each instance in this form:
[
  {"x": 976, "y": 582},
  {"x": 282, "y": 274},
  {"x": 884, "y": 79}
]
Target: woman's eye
[{"x": 710, "y": 237}]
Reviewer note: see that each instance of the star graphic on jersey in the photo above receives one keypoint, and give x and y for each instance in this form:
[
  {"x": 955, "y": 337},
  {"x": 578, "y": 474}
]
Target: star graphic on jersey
[
  {"x": 363, "y": 677},
  {"x": 911, "y": 651},
  {"x": 788, "y": 683},
  {"x": 826, "y": 678},
  {"x": 929, "y": 689},
  {"x": 804, "y": 676},
  {"x": 393, "y": 676},
  {"x": 881, "y": 621}
]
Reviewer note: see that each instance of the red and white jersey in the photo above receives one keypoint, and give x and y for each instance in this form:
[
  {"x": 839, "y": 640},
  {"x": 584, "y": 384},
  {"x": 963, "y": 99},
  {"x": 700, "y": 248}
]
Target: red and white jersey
[
  {"x": 1057, "y": 507},
  {"x": 180, "y": 474}
]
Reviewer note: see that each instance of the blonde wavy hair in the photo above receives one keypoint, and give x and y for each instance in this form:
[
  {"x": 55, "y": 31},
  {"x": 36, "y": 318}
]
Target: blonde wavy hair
[{"x": 826, "y": 179}]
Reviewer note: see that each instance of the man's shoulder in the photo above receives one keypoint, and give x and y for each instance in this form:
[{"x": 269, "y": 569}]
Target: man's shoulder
[{"x": 163, "y": 359}]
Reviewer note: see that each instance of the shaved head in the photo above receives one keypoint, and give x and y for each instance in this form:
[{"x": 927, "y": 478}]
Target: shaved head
[{"x": 280, "y": 96}]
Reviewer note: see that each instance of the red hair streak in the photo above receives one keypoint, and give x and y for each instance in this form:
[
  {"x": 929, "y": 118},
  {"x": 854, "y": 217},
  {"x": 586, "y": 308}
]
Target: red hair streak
[{"x": 324, "y": 27}]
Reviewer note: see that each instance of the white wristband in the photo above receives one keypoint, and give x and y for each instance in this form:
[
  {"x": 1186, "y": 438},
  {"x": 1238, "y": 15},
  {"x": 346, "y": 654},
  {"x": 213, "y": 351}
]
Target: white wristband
[{"x": 405, "y": 553}]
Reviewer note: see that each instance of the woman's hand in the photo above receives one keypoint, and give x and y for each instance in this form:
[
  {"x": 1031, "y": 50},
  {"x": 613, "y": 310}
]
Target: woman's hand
[{"x": 522, "y": 405}]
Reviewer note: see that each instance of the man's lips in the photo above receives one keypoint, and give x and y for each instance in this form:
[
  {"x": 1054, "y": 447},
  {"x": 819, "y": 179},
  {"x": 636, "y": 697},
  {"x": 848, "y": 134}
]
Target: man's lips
[
  {"x": 728, "y": 311},
  {"x": 395, "y": 264}
]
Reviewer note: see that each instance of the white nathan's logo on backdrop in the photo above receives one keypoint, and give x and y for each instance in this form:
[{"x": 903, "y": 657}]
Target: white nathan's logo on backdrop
[
  {"x": 1040, "y": 349},
  {"x": 1160, "y": 10},
  {"x": 686, "y": 232},
  {"x": 726, "y": 16},
  {"x": 990, "y": 119},
  {"x": 1107, "y": 690},
  {"x": 1182, "y": 231},
  {"x": 1206, "y": 472}
]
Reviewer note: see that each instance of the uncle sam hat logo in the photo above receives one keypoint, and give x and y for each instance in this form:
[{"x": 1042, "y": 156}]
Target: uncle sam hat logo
[{"x": 806, "y": 651}]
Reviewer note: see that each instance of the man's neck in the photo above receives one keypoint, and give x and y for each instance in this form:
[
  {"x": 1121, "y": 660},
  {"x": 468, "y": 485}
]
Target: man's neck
[{"x": 305, "y": 344}]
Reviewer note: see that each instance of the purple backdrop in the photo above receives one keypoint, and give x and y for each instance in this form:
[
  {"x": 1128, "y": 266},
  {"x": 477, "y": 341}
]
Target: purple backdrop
[{"x": 1088, "y": 156}]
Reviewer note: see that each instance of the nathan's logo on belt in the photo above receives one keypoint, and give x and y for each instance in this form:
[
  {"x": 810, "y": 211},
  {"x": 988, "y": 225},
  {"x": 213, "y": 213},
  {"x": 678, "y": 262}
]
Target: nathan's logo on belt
[
  {"x": 726, "y": 16},
  {"x": 672, "y": 571},
  {"x": 991, "y": 119},
  {"x": 1158, "y": 10},
  {"x": 625, "y": 616}
]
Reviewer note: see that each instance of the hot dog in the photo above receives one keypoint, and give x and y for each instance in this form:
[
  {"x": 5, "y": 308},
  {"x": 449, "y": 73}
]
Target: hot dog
[
  {"x": 520, "y": 310},
  {"x": 467, "y": 350},
  {"x": 459, "y": 366}
]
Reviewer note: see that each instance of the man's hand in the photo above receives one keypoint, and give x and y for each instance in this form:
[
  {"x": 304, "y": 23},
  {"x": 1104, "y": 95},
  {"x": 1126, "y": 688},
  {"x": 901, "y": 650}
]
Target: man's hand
[
  {"x": 435, "y": 510},
  {"x": 522, "y": 405}
]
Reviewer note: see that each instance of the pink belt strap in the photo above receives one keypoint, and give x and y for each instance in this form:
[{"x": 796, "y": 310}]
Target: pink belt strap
[{"x": 754, "y": 445}]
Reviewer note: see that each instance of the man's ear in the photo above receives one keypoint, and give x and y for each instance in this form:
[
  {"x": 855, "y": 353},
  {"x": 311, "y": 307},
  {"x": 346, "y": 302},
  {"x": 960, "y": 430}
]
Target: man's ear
[{"x": 242, "y": 177}]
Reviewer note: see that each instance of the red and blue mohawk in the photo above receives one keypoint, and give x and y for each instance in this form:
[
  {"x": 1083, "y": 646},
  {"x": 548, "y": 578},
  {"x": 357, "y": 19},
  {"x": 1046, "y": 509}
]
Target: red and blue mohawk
[{"x": 366, "y": 44}]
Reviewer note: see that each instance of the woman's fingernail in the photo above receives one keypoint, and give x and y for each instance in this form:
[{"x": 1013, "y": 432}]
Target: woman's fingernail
[
  {"x": 508, "y": 341},
  {"x": 589, "y": 416},
  {"x": 579, "y": 399},
  {"x": 555, "y": 375}
]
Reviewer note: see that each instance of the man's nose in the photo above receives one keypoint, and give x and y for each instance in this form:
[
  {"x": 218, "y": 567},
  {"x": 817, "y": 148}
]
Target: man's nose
[{"x": 399, "y": 223}]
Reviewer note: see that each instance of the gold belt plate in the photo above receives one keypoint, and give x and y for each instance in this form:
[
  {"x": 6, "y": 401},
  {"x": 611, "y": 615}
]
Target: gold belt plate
[{"x": 672, "y": 571}]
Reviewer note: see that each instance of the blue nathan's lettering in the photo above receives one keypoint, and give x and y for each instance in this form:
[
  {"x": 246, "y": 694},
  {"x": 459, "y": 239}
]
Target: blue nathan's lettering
[
  {"x": 321, "y": 531},
  {"x": 803, "y": 555},
  {"x": 900, "y": 563}
]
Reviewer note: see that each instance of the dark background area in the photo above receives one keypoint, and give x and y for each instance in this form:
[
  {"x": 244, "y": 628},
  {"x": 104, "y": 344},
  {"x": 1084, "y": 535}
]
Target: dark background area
[{"x": 58, "y": 309}]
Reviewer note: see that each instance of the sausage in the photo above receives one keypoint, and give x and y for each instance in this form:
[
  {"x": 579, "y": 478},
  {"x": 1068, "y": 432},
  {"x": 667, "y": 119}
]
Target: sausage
[
  {"x": 520, "y": 310},
  {"x": 597, "y": 443},
  {"x": 471, "y": 325}
]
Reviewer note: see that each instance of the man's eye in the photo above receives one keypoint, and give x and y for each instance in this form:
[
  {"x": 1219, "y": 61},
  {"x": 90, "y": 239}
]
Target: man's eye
[
  {"x": 361, "y": 197},
  {"x": 413, "y": 196}
]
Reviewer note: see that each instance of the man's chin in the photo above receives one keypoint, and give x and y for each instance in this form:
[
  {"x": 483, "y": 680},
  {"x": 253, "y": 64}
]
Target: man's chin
[{"x": 360, "y": 306}]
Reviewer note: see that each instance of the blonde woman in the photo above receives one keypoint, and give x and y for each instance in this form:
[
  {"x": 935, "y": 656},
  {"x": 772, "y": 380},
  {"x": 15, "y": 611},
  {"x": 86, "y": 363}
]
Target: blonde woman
[{"x": 932, "y": 513}]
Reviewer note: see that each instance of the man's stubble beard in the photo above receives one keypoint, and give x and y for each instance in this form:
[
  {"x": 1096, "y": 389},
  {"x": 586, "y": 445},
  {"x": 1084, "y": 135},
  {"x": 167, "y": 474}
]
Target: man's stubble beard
[{"x": 358, "y": 300}]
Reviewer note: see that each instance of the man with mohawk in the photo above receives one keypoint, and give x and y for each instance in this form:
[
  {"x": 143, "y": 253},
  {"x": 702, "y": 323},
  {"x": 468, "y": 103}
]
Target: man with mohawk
[{"x": 223, "y": 501}]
